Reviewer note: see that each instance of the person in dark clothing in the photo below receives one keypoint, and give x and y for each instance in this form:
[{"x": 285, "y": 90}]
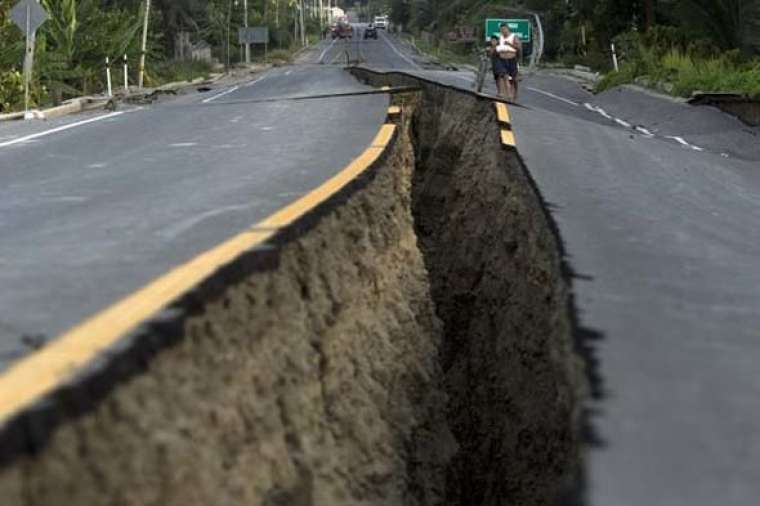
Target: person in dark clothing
[{"x": 498, "y": 66}]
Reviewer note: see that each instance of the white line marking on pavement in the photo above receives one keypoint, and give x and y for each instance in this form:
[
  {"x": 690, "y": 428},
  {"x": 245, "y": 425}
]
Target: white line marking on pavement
[
  {"x": 622, "y": 123},
  {"x": 220, "y": 95},
  {"x": 405, "y": 58},
  {"x": 644, "y": 131},
  {"x": 288, "y": 72},
  {"x": 255, "y": 81},
  {"x": 324, "y": 53},
  {"x": 684, "y": 142},
  {"x": 62, "y": 128},
  {"x": 183, "y": 144},
  {"x": 598, "y": 110},
  {"x": 556, "y": 97}
]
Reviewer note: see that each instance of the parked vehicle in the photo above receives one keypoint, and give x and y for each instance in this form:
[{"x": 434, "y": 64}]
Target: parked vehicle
[{"x": 381, "y": 22}]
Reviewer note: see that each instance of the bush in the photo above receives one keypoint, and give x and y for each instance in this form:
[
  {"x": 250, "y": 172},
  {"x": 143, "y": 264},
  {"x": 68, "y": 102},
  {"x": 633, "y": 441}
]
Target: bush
[
  {"x": 688, "y": 74},
  {"x": 626, "y": 75},
  {"x": 281, "y": 56},
  {"x": 174, "y": 71},
  {"x": 11, "y": 91}
]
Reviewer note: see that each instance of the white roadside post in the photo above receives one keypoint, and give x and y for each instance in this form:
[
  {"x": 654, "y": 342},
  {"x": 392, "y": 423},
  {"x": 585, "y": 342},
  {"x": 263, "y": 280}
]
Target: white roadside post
[
  {"x": 614, "y": 58},
  {"x": 141, "y": 76},
  {"x": 126, "y": 74},
  {"x": 108, "y": 77}
]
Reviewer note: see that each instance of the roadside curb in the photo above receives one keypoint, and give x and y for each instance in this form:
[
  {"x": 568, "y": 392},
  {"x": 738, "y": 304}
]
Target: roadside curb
[{"x": 88, "y": 103}]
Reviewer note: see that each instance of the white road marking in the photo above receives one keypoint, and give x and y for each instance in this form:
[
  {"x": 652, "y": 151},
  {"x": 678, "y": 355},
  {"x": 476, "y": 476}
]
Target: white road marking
[
  {"x": 598, "y": 110},
  {"x": 405, "y": 58},
  {"x": 324, "y": 53},
  {"x": 183, "y": 144},
  {"x": 641, "y": 129},
  {"x": 220, "y": 95},
  {"x": 255, "y": 82},
  {"x": 288, "y": 72},
  {"x": 684, "y": 142},
  {"x": 556, "y": 97},
  {"x": 603, "y": 113},
  {"x": 62, "y": 128}
]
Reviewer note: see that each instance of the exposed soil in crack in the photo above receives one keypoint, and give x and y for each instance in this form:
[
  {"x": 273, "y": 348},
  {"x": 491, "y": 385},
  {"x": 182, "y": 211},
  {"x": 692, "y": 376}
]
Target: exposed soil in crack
[
  {"x": 510, "y": 372},
  {"x": 411, "y": 346}
]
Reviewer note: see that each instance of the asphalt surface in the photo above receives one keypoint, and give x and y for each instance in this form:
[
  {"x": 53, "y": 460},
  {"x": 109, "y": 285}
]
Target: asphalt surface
[
  {"x": 90, "y": 213},
  {"x": 662, "y": 234},
  {"x": 665, "y": 242},
  {"x": 657, "y": 203}
]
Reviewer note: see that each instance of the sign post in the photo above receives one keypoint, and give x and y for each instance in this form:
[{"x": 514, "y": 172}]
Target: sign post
[
  {"x": 245, "y": 24},
  {"x": 522, "y": 27},
  {"x": 28, "y": 16},
  {"x": 254, "y": 35}
]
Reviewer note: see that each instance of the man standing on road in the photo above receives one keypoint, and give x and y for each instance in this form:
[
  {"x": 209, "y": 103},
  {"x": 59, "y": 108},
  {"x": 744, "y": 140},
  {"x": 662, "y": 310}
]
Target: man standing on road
[
  {"x": 509, "y": 48},
  {"x": 497, "y": 65}
]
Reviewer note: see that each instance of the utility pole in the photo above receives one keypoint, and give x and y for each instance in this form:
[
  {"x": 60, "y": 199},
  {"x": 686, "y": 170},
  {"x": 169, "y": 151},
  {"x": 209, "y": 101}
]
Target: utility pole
[
  {"x": 649, "y": 14},
  {"x": 245, "y": 24},
  {"x": 303, "y": 25},
  {"x": 229, "y": 22},
  {"x": 141, "y": 77}
]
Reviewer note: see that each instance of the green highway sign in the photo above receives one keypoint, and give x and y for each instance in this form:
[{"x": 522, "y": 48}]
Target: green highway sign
[{"x": 521, "y": 27}]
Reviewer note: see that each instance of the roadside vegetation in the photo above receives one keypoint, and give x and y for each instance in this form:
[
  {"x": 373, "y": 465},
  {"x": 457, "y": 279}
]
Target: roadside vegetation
[
  {"x": 71, "y": 47},
  {"x": 676, "y": 46}
]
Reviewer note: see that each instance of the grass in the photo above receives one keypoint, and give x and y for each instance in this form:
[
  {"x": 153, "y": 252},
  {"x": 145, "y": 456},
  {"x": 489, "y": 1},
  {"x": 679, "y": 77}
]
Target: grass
[
  {"x": 173, "y": 71},
  {"x": 447, "y": 53},
  {"x": 686, "y": 74},
  {"x": 281, "y": 56}
]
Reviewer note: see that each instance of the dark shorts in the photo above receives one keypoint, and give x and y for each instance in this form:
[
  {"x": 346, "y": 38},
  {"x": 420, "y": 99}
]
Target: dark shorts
[
  {"x": 502, "y": 67},
  {"x": 511, "y": 66}
]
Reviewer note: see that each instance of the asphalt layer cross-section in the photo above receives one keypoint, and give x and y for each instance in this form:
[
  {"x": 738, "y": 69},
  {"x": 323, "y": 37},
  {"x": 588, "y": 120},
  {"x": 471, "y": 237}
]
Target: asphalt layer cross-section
[{"x": 91, "y": 213}]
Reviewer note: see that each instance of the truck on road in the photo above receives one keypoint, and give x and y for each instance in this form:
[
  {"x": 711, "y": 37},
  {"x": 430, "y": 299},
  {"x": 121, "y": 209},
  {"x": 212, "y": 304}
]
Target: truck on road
[{"x": 343, "y": 29}]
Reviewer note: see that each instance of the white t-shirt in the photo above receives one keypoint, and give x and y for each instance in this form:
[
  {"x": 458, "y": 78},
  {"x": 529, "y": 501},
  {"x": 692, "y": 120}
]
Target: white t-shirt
[{"x": 507, "y": 44}]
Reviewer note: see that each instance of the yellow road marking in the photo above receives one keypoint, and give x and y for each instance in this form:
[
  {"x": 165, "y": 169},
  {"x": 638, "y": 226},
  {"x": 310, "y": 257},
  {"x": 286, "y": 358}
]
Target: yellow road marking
[
  {"x": 384, "y": 136},
  {"x": 38, "y": 374},
  {"x": 508, "y": 138},
  {"x": 502, "y": 113}
]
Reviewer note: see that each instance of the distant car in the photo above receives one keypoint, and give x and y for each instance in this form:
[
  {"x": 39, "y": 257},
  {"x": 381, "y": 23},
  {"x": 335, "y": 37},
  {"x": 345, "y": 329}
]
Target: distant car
[
  {"x": 381, "y": 22},
  {"x": 370, "y": 32}
]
